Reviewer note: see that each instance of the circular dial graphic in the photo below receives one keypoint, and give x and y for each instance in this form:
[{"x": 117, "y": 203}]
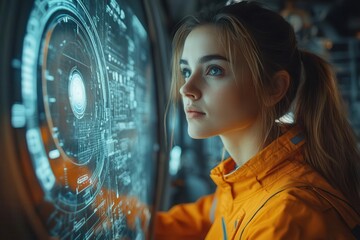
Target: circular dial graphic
[
  {"x": 89, "y": 96},
  {"x": 73, "y": 92},
  {"x": 72, "y": 109},
  {"x": 77, "y": 94}
]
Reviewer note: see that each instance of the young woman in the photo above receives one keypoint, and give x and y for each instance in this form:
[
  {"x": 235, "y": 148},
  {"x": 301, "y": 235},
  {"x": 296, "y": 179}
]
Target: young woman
[{"x": 238, "y": 71}]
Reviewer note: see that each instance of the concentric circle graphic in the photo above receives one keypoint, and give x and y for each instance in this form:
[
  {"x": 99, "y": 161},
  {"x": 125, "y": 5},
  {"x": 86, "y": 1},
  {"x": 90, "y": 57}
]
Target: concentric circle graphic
[
  {"x": 70, "y": 82},
  {"x": 88, "y": 94},
  {"x": 77, "y": 94}
]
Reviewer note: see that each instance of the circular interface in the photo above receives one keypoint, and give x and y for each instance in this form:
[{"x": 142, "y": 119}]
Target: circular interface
[
  {"x": 89, "y": 97},
  {"x": 73, "y": 89},
  {"x": 77, "y": 94}
]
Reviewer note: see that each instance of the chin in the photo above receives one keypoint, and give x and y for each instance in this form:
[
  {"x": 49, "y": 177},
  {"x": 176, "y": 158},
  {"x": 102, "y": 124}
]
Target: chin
[
  {"x": 198, "y": 134},
  {"x": 197, "y": 137}
]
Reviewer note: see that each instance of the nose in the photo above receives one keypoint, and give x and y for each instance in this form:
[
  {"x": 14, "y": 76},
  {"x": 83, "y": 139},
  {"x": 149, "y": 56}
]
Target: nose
[{"x": 190, "y": 89}]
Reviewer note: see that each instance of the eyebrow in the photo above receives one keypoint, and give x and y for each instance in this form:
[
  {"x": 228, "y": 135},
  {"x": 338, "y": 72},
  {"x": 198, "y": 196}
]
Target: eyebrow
[{"x": 206, "y": 58}]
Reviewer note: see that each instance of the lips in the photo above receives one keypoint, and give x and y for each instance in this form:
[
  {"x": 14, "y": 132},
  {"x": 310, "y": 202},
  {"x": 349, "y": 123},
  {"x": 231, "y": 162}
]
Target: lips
[{"x": 194, "y": 113}]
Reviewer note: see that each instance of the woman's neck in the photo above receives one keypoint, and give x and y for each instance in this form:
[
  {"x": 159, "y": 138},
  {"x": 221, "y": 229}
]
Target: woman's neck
[{"x": 243, "y": 144}]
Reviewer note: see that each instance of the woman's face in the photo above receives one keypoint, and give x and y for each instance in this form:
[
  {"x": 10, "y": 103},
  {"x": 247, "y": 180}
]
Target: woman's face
[{"x": 215, "y": 102}]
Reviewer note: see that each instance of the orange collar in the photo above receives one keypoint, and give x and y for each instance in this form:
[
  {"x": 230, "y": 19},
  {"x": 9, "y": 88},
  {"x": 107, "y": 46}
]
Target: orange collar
[{"x": 254, "y": 174}]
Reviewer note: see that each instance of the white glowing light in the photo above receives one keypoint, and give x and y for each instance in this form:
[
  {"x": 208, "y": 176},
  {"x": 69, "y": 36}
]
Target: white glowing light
[
  {"x": 175, "y": 160},
  {"x": 53, "y": 154},
  {"x": 77, "y": 94},
  {"x": 18, "y": 115}
]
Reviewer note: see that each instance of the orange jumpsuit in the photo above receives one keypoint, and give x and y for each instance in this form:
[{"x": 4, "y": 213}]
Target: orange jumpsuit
[{"x": 275, "y": 195}]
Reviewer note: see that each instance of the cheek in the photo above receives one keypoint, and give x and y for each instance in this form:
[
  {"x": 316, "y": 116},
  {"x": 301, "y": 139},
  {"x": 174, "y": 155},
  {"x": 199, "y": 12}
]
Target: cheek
[{"x": 234, "y": 103}]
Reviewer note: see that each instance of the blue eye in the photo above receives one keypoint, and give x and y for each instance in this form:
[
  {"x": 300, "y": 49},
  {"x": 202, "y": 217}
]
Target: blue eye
[
  {"x": 215, "y": 71},
  {"x": 185, "y": 73}
]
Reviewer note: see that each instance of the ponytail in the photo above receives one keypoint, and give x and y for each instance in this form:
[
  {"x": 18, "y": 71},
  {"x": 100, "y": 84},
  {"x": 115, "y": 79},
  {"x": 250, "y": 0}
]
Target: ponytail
[{"x": 331, "y": 147}]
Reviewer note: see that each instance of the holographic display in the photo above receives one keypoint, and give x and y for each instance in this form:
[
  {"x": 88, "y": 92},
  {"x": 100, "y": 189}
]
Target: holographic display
[{"x": 89, "y": 102}]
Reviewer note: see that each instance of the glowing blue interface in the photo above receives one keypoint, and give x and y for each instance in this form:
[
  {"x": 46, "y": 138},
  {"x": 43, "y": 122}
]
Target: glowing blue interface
[{"x": 90, "y": 116}]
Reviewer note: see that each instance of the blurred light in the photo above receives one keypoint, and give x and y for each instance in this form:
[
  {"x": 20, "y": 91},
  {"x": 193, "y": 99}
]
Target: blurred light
[
  {"x": 53, "y": 154},
  {"x": 18, "y": 119},
  {"x": 328, "y": 44},
  {"x": 175, "y": 160},
  {"x": 233, "y": 1}
]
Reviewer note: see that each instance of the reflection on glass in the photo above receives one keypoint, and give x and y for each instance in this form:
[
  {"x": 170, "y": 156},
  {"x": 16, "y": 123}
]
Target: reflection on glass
[{"x": 88, "y": 88}]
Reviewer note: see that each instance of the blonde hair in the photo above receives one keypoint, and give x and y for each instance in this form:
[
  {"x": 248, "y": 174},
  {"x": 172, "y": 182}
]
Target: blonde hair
[{"x": 267, "y": 44}]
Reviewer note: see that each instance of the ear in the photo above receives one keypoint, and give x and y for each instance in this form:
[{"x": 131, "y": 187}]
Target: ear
[{"x": 281, "y": 80}]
